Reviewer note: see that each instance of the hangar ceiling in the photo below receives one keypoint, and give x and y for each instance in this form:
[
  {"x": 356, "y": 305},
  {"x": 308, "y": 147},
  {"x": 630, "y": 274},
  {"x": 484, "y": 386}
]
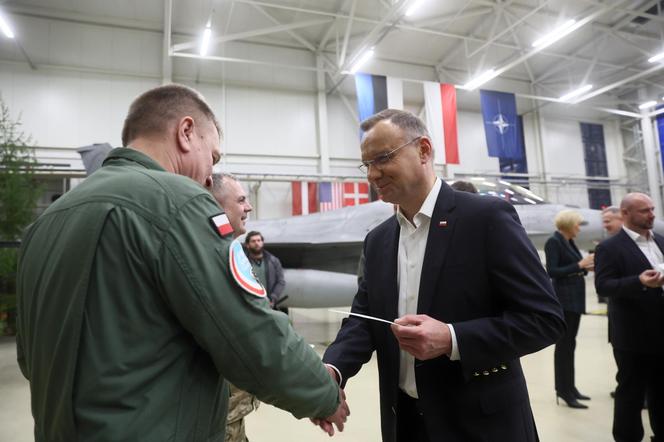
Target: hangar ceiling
[{"x": 448, "y": 41}]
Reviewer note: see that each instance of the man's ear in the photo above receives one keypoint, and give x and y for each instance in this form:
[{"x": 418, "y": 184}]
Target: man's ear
[
  {"x": 185, "y": 133},
  {"x": 425, "y": 149}
]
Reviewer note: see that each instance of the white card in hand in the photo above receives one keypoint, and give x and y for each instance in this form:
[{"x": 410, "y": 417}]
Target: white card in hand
[{"x": 373, "y": 318}]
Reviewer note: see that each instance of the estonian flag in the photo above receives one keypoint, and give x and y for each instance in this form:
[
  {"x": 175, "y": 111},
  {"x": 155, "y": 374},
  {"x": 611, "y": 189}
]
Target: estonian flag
[{"x": 376, "y": 93}]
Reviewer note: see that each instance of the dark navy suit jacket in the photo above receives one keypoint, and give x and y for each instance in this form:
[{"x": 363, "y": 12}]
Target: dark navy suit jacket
[
  {"x": 481, "y": 274},
  {"x": 636, "y": 313},
  {"x": 562, "y": 258}
]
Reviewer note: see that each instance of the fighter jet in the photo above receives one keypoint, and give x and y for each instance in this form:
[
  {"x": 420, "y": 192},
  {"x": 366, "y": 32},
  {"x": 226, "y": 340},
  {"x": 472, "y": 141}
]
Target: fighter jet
[{"x": 320, "y": 252}]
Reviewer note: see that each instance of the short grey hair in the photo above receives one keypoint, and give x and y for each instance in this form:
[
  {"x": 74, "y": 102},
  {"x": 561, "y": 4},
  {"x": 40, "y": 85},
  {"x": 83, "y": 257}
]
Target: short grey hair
[
  {"x": 218, "y": 181},
  {"x": 615, "y": 210},
  {"x": 407, "y": 121}
]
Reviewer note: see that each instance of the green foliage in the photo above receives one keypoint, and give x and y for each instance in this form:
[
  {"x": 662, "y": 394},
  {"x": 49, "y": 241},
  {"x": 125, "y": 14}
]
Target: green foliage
[{"x": 19, "y": 190}]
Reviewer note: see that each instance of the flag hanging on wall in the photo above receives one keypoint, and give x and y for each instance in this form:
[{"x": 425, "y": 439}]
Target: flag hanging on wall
[
  {"x": 305, "y": 199},
  {"x": 440, "y": 104},
  {"x": 377, "y": 92},
  {"x": 500, "y": 124},
  {"x": 356, "y": 193},
  {"x": 594, "y": 155},
  {"x": 330, "y": 196},
  {"x": 660, "y": 131}
]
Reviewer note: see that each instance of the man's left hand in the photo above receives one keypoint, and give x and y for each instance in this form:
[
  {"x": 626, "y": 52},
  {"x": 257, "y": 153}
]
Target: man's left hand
[{"x": 422, "y": 336}]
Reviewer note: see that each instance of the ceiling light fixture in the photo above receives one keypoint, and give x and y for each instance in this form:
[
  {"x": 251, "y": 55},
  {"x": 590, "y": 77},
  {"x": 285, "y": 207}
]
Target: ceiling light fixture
[
  {"x": 556, "y": 34},
  {"x": 363, "y": 59},
  {"x": 4, "y": 25},
  {"x": 414, "y": 7},
  {"x": 480, "y": 80},
  {"x": 647, "y": 104},
  {"x": 576, "y": 92},
  {"x": 656, "y": 58},
  {"x": 205, "y": 43}
]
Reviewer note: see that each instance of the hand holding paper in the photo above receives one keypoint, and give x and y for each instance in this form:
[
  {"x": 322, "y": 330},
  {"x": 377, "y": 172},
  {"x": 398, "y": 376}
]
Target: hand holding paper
[{"x": 422, "y": 336}]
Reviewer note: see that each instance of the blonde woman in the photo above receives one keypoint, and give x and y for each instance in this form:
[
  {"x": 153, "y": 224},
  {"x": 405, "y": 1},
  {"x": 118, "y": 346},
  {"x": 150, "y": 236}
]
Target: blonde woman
[{"x": 567, "y": 268}]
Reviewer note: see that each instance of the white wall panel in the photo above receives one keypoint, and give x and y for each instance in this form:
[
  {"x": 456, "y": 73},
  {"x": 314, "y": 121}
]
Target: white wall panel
[
  {"x": 563, "y": 154},
  {"x": 270, "y": 122},
  {"x": 62, "y": 109},
  {"x": 614, "y": 158},
  {"x": 343, "y": 131}
]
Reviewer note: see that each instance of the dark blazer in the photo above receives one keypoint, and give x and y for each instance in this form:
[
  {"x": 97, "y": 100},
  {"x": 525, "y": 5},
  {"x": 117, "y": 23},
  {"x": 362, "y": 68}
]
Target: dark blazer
[
  {"x": 636, "y": 313},
  {"x": 501, "y": 305},
  {"x": 562, "y": 259}
]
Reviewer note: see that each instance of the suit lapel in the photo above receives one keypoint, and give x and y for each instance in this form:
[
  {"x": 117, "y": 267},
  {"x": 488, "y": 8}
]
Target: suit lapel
[
  {"x": 636, "y": 252},
  {"x": 443, "y": 222},
  {"x": 389, "y": 279},
  {"x": 659, "y": 240},
  {"x": 574, "y": 254}
]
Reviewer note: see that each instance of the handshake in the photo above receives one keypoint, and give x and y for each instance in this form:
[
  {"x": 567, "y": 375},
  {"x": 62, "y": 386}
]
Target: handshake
[{"x": 340, "y": 416}]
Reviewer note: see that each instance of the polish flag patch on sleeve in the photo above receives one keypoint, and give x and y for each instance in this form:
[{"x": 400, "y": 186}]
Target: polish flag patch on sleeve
[
  {"x": 242, "y": 272},
  {"x": 221, "y": 224}
]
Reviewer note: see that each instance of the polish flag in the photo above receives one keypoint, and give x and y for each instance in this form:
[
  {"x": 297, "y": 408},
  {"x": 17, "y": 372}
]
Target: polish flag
[
  {"x": 304, "y": 197},
  {"x": 222, "y": 224},
  {"x": 440, "y": 104}
]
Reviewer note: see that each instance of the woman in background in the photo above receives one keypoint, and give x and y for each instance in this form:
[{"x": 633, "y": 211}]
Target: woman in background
[{"x": 567, "y": 269}]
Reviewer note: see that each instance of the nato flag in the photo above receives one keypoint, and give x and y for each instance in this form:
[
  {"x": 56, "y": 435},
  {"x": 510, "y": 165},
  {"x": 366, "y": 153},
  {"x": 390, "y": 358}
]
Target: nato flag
[{"x": 500, "y": 125}]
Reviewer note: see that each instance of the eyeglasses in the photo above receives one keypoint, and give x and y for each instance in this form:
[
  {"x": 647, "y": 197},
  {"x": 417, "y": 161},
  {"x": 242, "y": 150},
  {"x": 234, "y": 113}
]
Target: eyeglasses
[{"x": 383, "y": 159}]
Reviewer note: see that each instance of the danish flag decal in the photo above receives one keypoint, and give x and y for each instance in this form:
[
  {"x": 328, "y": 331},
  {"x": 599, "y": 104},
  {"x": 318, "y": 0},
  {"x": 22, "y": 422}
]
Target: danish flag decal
[
  {"x": 221, "y": 224},
  {"x": 242, "y": 271}
]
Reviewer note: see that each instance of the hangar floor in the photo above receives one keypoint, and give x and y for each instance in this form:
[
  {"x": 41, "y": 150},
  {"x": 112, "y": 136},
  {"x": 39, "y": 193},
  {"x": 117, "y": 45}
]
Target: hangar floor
[{"x": 595, "y": 371}]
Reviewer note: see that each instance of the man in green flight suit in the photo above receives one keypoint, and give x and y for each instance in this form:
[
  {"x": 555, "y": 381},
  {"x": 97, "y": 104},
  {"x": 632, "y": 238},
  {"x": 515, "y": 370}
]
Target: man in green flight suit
[
  {"x": 134, "y": 307},
  {"x": 232, "y": 199}
]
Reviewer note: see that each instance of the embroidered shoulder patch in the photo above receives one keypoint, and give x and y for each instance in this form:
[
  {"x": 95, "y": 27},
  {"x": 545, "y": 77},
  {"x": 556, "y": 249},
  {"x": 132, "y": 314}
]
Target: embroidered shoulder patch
[
  {"x": 242, "y": 271},
  {"x": 221, "y": 224}
]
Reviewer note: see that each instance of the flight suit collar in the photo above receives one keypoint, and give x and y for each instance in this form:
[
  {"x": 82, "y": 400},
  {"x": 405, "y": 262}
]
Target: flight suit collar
[{"x": 129, "y": 154}]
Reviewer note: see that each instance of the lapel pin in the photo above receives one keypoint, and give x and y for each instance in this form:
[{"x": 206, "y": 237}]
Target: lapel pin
[{"x": 442, "y": 224}]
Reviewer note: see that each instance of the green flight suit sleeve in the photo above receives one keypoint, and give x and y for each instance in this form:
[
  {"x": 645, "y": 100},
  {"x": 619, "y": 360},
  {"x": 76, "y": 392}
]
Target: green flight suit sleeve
[{"x": 251, "y": 345}]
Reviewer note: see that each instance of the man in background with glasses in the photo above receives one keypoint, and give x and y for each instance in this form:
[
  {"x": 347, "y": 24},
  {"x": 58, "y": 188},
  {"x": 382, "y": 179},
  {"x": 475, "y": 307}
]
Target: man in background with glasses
[{"x": 466, "y": 289}]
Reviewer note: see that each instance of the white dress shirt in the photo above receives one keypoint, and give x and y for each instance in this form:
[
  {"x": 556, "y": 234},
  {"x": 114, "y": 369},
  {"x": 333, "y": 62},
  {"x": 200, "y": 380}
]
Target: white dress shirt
[
  {"x": 412, "y": 245},
  {"x": 648, "y": 247}
]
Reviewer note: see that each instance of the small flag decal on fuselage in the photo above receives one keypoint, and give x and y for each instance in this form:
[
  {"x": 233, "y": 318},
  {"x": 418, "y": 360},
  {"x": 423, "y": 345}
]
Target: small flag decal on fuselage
[{"x": 221, "y": 224}]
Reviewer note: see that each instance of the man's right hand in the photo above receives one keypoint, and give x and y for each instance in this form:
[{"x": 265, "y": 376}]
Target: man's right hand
[
  {"x": 651, "y": 278},
  {"x": 337, "y": 419}
]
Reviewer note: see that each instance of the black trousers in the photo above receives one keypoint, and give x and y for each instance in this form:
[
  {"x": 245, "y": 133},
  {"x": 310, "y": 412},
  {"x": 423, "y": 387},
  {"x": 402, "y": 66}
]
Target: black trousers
[
  {"x": 563, "y": 356},
  {"x": 411, "y": 426},
  {"x": 639, "y": 375}
]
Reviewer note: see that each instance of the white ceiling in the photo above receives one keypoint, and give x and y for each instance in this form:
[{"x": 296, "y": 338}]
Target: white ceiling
[{"x": 448, "y": 41}]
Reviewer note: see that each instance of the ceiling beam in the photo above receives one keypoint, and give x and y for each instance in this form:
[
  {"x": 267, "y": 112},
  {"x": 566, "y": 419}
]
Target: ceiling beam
[
  {"x": 474, "y": 12},
  {"x": 618, "y": 83},
  {"x": 636, "y": 13},
  {"x": 523, "y": 57},
  {"x": 349, "y": 25},
  {"x": 508, "y": 29},
  {"x": 526, "y": 8},
  {"x": 554, "y": 68},
  {"x": 253, "y": 33}
]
